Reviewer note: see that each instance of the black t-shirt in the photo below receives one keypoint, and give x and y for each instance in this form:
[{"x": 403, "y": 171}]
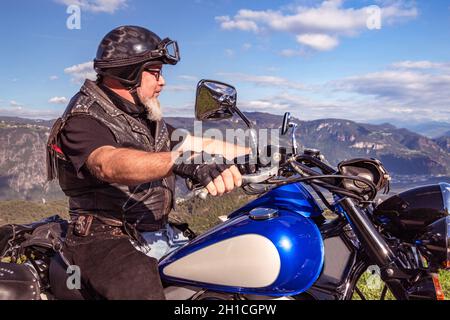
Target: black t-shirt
[{"x": 81, "y": 135}]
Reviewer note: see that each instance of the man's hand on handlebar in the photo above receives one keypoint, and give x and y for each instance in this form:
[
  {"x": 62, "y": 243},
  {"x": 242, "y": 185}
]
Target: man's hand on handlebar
[
  {"x": 212, "y": 172},
  {"x": 225, "y": 182}
]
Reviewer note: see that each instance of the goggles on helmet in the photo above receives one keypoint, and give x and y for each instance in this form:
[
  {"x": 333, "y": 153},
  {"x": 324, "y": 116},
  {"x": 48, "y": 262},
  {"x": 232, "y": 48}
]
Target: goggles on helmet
[{"x": 167, "y": 51}]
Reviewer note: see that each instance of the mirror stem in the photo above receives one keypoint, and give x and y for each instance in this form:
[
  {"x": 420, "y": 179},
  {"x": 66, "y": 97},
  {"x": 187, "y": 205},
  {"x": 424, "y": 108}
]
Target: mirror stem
[
  {"x": 243, "y": 117},
  {"x": 253, "y": 138},
  {"x": 294, "y": 139}
]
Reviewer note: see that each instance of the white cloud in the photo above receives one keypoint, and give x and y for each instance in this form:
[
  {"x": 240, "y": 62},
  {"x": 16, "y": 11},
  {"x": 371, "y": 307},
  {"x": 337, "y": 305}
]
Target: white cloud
[
  {"x": 15, "y": 104},
  {"x": 397, "y": 84},
  {"x": 423, "y": 64},
  {"x": 264, "y": 80},
  {"x": 273, "y": 69},
  {"x": 186, "y": 110},
  {"x": 264, "y": 105},
  {"x": 321, "y": 42},
  {"x": 188, "y": 77},
  {"x": 246, "y": 46},
  {"x": 303, "y": 107},
  {"x": 16, "y": 109},
  {"x": 179, "y": 88},
  {"x": 409, "y": 87},
  {"x": 81, "y": 71},
  {"x": 30, "y": 113},
  {"x": 291, "y": 53},
  {"x": 227, "y": 24},
  {"x": 106, "y": 6},
  {"x": 58, "y": 100},
  {"x": 53, "y": 78},
  {"x": 405, "y": 91},
  {"x": 319, "y": 26},
  {"x": 361, "y": 110},
  {"x": 401, "y": 110},
  {"x": 229, "y": 53}
]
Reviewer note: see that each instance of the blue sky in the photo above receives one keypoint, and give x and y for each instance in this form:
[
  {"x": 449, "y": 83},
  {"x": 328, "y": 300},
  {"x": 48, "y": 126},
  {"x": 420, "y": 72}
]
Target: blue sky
[{"x": 314, "y": 58}]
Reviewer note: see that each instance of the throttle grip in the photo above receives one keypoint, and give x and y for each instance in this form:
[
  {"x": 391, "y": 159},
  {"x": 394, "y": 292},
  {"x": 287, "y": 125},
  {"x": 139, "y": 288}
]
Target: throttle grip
[{"x": 202, "y": 193}]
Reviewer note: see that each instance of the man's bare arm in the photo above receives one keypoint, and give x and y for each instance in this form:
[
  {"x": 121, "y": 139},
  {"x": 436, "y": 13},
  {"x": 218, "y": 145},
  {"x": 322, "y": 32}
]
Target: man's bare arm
[
  {"x": 130, "y": 167},
  {"x": 213, "y": 146}
]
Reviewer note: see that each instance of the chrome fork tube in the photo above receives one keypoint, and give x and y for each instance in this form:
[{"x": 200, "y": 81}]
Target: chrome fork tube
[{"x": 363, "y": 227}]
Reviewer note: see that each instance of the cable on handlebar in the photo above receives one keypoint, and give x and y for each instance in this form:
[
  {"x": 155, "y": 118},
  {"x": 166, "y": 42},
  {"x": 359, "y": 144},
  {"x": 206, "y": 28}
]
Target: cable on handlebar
[
  {"x": 318, "y": 163},
  {"x": 312, "y": 177},
  {"x": 330, "y": 188},
  {"x": 300, "y": 168}
]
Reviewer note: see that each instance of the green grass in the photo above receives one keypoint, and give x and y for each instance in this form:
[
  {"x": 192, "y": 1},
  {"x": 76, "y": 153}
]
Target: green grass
[
  {"x": 371, "y": 286},
  {"x": 202, "y": 215},
  {"x": 371, "y": 291},
  {"x": 20, "y": 211},
  {"x": 444, "y": 279}
]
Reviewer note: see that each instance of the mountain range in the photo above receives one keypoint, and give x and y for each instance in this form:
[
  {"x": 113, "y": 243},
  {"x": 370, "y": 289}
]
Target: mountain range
[{"x": 403, "y": 152}]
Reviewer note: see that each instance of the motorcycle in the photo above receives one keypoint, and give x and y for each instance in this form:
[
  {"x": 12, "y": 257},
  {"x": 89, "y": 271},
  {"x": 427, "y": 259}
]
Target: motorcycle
[{"x": 280, "y": 245}]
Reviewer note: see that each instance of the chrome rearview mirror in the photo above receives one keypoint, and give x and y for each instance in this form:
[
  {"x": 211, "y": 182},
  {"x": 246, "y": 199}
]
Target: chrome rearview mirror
[
  {"x": 288, "y": 123},
  {"x": 285, "y": 125},
  {"x": 214, "y": 100}
]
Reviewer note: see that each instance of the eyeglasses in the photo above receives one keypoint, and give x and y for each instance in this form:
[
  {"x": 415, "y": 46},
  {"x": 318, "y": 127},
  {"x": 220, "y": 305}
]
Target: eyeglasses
[{"x": 156, "y": 72}]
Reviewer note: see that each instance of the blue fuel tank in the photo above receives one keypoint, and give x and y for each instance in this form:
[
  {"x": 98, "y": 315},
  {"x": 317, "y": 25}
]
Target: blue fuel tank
[{"x": 269, "y": 247}]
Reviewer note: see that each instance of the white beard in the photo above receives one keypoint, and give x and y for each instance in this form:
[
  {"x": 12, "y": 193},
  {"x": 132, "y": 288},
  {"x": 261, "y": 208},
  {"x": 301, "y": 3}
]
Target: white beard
[{"x": 152, "y": 106}]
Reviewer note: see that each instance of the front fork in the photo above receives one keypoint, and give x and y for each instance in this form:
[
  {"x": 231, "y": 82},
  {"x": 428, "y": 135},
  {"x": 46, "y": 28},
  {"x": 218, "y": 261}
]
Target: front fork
[{"x": 377, "y": 249}]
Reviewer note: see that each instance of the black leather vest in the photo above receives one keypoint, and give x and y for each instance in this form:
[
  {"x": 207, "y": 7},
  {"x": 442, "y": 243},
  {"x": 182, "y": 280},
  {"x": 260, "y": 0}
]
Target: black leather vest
[{"x": 146, "y": 206}]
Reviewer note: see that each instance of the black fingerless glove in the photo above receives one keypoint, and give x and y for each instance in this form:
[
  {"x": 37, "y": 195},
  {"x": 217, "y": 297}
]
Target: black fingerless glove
[
  {"x": 244, "y": 164},
  {"x": 200, "y": 167}
]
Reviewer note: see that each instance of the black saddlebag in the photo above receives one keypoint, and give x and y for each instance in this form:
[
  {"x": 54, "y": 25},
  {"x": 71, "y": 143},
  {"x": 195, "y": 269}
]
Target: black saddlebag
[
  {"x": 18, "y": 282},
  {"x": 46, "y": 234},
  {"x": 25, "y": 254}
]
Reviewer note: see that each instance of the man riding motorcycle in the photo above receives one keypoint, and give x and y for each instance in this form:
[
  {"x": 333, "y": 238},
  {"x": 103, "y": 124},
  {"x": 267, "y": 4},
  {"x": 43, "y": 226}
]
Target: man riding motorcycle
[{"x": 112, "y": 154}]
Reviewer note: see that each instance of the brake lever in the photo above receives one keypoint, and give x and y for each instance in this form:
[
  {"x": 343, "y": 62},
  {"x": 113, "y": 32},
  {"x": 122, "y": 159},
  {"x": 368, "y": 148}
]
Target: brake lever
[{"x": 261, "y": 176}]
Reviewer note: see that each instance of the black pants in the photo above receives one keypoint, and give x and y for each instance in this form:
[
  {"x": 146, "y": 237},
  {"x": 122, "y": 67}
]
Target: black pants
[{"x": 111, "y": 267}]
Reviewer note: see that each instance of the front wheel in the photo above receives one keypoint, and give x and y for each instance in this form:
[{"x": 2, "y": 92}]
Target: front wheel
[{"x": 370, "y": 286}]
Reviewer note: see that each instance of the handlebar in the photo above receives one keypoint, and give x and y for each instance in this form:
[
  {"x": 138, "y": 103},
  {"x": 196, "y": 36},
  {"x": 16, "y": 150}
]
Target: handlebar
[
  {"x": 258, "y": 177},
  {"x": 300, "y": 165}
]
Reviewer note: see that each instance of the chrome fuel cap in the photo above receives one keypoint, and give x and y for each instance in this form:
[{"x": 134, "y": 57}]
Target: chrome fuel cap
[{"x": 263, "y": 213}]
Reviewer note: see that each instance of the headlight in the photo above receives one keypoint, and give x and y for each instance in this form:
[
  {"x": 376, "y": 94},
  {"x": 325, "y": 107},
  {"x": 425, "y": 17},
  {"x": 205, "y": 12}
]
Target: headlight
[
  {"x": 408, "y": 214},
  {"x": 435, "y": 242}
]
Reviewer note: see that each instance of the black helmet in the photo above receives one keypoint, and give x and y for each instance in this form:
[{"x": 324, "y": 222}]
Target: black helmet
[{"x": 127, "y": 50}]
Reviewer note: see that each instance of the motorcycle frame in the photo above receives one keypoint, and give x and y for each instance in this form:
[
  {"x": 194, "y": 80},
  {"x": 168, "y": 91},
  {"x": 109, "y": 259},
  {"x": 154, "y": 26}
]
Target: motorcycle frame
[
  {"x": 357, "y": 262},
  {"x": 362, "y": 241}
]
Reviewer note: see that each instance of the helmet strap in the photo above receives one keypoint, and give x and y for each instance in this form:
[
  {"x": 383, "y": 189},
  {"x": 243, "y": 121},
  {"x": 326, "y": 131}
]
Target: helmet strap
[
  {"x": 137, "y": 100},
  {"x": 133, "y": 91}
]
